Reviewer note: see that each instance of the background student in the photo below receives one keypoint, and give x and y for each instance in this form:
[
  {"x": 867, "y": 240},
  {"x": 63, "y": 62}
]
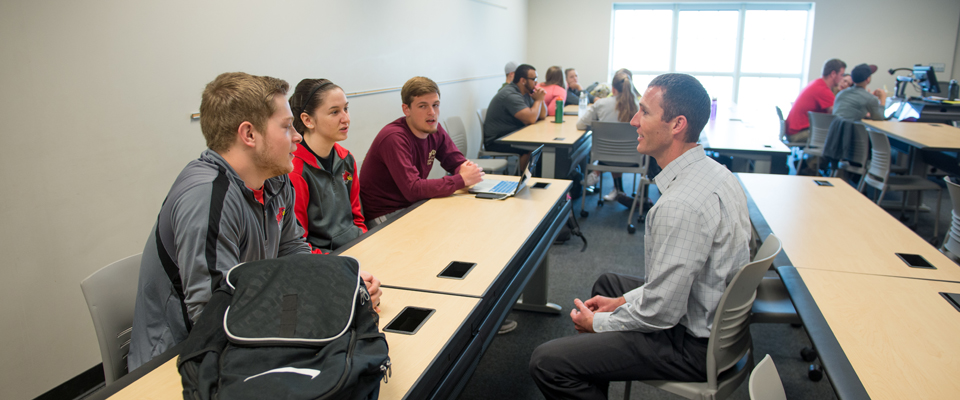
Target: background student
[
  {"x": 324, "y": 173},
  {"x": 553, "y": 88},
  {"x": 619, "y": 107}
]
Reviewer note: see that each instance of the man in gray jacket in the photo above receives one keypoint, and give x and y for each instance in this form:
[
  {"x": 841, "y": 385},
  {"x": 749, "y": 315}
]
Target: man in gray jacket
[{"x": 232, "y": 205}]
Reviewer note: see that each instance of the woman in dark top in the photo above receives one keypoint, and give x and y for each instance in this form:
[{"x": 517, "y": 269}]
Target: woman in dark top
[{"x": 324, "y": 173}]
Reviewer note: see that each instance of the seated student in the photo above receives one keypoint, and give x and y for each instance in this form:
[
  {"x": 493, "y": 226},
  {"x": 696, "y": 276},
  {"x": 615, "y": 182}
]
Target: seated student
[
  {"x": 574, "y": 88},
  {"x": 619, "y": 107},
  {"x": 213, "y": 216},
  {"x": 845, "y": 82},
  {"x": 324, "y": 173},
  {"x": 515, "y": 106},
  {"x": 553, "y": 87},
  {"x": 508, "y": 70},
  {"x": 396, "y": 167},
  {"x": 855, "y": 102},
  {"x": 658, "y": 327},
  {"x": 817, "y": 97}
]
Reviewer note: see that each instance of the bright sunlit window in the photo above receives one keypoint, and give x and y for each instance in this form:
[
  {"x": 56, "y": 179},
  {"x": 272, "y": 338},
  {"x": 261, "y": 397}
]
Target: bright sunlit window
[{"x": 752, "y": 54}]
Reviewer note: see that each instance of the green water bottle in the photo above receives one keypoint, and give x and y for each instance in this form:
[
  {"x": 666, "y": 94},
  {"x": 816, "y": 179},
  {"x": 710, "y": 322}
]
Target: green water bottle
[{"x": 559, "y": 112}]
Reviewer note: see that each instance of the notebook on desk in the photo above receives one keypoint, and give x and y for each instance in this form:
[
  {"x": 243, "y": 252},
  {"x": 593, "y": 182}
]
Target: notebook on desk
[{"x": 503, "y": 189}]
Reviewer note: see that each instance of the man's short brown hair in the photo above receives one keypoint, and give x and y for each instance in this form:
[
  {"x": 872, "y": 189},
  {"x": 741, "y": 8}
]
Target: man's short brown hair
[
  {"x": 833, "y": 64},
  {"x": 418, "y": 86},
  {"x": 231, "y": 99}
]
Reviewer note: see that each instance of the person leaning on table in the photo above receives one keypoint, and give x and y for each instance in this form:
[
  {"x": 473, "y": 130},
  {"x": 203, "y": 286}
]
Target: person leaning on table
[
  {"x": 696, "y": 239},
  {"x": 394, "y": 172},
  {"x": 213, "y": 217},
  {"x": 515, "y": 106}
]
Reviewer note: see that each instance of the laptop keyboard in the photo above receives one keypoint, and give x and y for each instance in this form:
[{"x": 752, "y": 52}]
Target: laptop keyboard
[{"x": 503, "y": 187}]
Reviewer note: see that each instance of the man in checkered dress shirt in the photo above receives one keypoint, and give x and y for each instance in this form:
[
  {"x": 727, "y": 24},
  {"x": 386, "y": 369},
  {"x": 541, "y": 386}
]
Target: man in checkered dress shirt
[{"x": 695, "y": 241}]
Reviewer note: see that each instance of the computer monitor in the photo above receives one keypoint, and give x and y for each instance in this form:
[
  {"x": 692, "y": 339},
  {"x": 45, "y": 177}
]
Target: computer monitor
[{"x": 924, "y": 76}]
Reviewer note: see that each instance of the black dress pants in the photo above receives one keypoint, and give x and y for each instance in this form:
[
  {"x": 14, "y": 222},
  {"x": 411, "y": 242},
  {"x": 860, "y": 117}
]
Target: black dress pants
[{"x": 582, "y": 366}]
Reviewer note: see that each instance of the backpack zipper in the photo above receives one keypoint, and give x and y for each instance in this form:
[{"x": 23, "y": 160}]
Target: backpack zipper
[
  {"x": 348, "y": 364},
  {"x": 387, "y": 370}
]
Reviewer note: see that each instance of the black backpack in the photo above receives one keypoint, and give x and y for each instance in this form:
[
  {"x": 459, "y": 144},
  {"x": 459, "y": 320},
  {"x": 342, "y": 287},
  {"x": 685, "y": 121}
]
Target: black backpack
[{"x": 295, "y": 327}]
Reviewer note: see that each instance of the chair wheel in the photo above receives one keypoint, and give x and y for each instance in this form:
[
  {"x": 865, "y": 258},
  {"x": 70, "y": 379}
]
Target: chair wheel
[
  {"x": 632, "y": 229},
  {"x": 584, "y": 214},
  {"x": 600, "y": 202},
  {"x": 816, "y": 373},
  {"x": 808, "y": 354}
]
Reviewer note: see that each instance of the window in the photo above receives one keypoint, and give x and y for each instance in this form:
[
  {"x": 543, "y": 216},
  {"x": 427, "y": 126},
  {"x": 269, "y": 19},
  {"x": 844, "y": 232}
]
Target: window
[{"x": 752, "y": 54}]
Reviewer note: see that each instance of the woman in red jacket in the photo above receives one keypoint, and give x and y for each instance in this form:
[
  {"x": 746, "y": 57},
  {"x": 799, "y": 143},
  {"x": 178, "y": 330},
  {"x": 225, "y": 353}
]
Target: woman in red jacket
[{"x": 324, "y": 173}]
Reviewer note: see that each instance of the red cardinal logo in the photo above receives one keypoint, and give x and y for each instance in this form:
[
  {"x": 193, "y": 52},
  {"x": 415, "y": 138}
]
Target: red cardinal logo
[
  {"x": 283, "y": 210},
  {"x": 347, "y": 178}
]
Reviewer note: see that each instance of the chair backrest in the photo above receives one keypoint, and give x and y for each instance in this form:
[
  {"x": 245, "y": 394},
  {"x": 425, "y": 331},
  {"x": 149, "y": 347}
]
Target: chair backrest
[
  {"x": 458, "y": 133},
  {"x": 765, "y": 382},
  {"x": 783, "y": 125},
  {"x": 111, "y": 293},
  {"x": 616, "y": 142},
  {"x": 819, "y": 127},
  {"x": 952, "y": 241},
  {"x": 861, "y": 144},
  {"x": 481, "y": 115},
  {"x": 730, "y": 335},
  {"x": 879, "y": 157}
]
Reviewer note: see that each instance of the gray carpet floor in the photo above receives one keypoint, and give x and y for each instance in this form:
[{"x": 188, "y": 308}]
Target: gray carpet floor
[{"x": 502, "y": 372}]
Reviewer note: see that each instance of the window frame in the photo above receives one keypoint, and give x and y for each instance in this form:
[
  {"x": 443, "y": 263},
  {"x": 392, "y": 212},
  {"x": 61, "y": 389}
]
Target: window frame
[{"x": 742, "y": 8}]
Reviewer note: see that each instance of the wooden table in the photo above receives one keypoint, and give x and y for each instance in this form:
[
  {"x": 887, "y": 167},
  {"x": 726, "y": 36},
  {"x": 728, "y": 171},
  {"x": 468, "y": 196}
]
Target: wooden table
[
  {"x": 438, "y": 360},
  {"x": 922, "y": 135},
  {"x": 927, "y": 144},
  {"x": 463, "y": 228},
  {"x": 430, "y": 351},
  {"x": 872, "y": 319},
  {"x": 900, "y": 335},
  {"x": 565, "y": 146},
  {"x": 838, "y": 229},
  {"x": 746, "y": 137}
]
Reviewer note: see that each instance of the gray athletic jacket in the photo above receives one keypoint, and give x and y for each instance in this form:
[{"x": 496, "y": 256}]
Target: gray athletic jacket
[{"x": 209, "y": 223}]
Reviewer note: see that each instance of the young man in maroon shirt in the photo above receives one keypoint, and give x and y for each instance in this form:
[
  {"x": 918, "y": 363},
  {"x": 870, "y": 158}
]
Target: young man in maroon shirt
[{"x": 394, "y": 172}]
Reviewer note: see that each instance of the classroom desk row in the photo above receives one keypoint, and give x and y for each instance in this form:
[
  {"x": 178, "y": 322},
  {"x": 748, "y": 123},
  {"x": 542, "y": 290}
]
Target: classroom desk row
[
  {"x": 732, "y": 132},
  {"x": 506, "y": 239},
  {"x": 882, "y": 328},
  {"x": 565, "y": 146}
]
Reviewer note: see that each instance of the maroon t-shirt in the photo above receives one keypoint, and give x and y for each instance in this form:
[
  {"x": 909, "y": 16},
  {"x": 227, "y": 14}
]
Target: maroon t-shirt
[{"x": 395, "y": 169}]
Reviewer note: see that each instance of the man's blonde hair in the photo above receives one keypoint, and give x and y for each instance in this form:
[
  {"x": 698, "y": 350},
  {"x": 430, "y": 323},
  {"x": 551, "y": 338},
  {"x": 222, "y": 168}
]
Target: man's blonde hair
[
  {"x": 231, "y": 99},
  {"x": 417, "y": 86}
]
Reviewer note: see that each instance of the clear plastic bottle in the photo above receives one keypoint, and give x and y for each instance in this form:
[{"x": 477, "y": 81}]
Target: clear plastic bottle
[{"x": 583, "y": 104}]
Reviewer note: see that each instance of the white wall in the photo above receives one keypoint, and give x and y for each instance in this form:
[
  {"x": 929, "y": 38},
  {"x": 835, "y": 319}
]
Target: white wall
[
  {"x": 888, "y": 33},
  {"x": 95, "y": 107}
]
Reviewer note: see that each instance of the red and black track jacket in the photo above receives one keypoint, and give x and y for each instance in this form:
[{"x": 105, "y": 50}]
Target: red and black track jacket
[{"x": 328, "y": 202}]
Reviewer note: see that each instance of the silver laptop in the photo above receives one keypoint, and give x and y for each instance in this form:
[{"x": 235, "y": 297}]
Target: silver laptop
[{"x": 496, "y": 189}]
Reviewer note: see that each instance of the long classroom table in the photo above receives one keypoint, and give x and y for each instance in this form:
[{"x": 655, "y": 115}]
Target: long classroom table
[
  {"x": 927, "y": 143},
  {"x": 565, "y": 146},
  {"x": 507, "y": 239},
  {"x": 876, "y": 323}
]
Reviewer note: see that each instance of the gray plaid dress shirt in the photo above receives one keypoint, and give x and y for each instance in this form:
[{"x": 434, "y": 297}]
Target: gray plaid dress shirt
[{"x": 696, "y": 239}]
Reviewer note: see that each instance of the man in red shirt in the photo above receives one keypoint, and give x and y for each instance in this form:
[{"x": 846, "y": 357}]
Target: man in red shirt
[
  {"x": 817, "y": 97},
  {"x": 395, "y": 169}
]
